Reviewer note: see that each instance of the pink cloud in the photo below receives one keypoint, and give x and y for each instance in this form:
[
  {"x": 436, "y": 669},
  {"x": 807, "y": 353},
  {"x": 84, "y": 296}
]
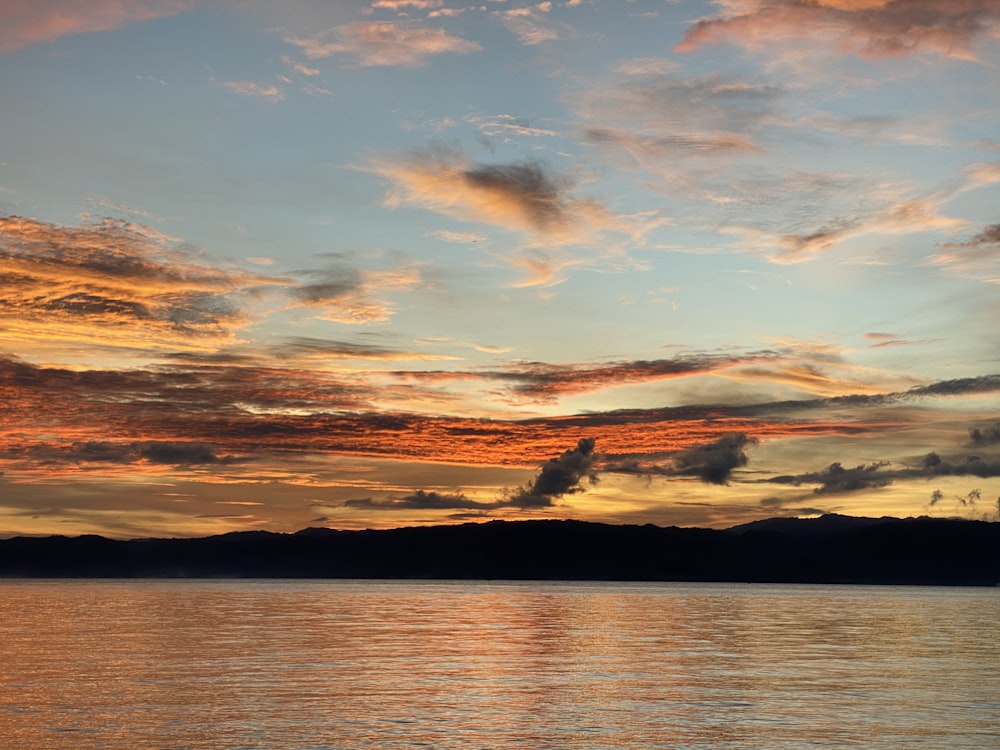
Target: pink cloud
[
  {"x": 26, "y": 22},
  {"x": 871, "y": 29}
]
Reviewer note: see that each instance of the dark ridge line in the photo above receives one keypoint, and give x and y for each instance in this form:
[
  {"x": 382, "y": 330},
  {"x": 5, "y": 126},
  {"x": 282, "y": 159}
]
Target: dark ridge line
[{"x": 828, "y": 549}]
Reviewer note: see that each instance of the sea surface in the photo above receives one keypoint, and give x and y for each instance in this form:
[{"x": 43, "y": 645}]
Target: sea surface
[{"x": 277, "y": 665}]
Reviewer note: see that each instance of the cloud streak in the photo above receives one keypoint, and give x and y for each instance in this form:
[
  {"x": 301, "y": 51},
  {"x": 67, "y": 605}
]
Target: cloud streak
[
  {"x": 871, "y": 29},
  {"x": 27, "y": 22},
  {"x": 384, "y": 44},
  {"x": 114, "y": 283}
]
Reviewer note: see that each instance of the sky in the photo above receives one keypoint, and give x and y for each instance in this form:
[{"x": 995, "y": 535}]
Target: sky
[{"x": 404, "y": 262}]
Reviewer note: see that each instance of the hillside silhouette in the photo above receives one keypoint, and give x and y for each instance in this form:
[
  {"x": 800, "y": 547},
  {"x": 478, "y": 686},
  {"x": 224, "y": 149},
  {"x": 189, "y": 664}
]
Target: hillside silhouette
[{"x": 829, "y": 549}]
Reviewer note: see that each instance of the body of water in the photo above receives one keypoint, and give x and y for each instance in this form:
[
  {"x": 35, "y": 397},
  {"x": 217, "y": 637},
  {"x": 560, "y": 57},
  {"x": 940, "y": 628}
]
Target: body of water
[{"x": 304, "y": 665}]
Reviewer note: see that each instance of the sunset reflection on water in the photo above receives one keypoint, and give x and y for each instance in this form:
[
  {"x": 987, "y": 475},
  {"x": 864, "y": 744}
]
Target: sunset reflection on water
[{"x": 289, "y": 664}]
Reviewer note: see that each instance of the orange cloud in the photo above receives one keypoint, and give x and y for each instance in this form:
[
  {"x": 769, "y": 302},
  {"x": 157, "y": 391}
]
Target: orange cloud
[
  {"x": 113, "y": 284},
  {"x": 26, "y": 22},
  {"x": 524, "y": 196},
  {"x": 868, "y": 28},
  {"x": 382, "y": 43}
]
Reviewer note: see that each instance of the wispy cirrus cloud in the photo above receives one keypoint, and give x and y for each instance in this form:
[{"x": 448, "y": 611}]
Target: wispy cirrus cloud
[
  {"x": 979, "y": 255},
  {"x": 27, "y": 22},
  {"x": 384, "y": 43},
  {"x": 656, "y": 115},
  {"x": 871, "y": 29},
  {"x": 270, "y": 91},
  {"x": 546, "y": 382}
]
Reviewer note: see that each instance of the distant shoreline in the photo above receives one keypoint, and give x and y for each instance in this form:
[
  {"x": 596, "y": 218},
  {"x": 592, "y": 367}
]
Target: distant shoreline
[{"x": 831, "y": 549}]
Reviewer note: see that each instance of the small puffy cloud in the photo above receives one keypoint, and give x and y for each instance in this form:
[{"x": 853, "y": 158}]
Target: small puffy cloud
[
  {"x": 26, "y": 22},
  {"x": 871, "y": 29},
  {"x": 382, "y": 43},
  {"x": 268, "y": 91}
]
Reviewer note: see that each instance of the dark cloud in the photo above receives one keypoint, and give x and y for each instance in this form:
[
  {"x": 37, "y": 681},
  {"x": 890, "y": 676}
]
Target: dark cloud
[
  {"x": 559, "y": 476},
  {"x": 836, "y": 479},
  {"x": 934, "y": 465},
  {"x": 179, "y": 454},
  {"x": 422, "y": 500},
  {"x": 537, "y": 191},
  {"x": 979, "y": 436},
  {"x": 711, "y": 462}
]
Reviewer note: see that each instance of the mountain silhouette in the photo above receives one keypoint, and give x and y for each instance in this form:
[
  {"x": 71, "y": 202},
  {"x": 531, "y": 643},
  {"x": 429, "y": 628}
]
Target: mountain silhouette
[{"x": 829, "y": 549}]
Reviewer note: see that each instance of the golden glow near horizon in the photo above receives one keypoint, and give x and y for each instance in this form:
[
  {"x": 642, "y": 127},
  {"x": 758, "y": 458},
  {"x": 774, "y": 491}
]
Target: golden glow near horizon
[{"x": 370, "y": 264}]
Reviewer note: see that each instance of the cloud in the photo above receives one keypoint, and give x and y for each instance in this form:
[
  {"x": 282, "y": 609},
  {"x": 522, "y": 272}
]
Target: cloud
[
  {"x": 531, "y": 24},
  {"x": 541, "y": 381},
  {"x": 26, "y": 22},
  {"x": 305, "y": 347},
  {"x": 345, "y": 294},
  {"x": 422, "y": 500},
  {"x": 978, "y": 256},
  {"x": 398, "y": 5},
  {"x": 871, "y": 29},
  {"x": 299, "y": 67},
  {"x": 525, "y": 196},
  {"x": 883, "y": 340},
  {"x": 268, "y": 91},
  {"x": 934, "y": 465},
  {"x": 659, "y": 116},
  {"x": 114, "y": 283},
  {"x": 178, "y": 454},
  {"x": 382, "y": 43},
  {"x": 984, "y": 435},
  {"x": 711, "y": 462},
  {"x": 559, "y": 476},
  {"x": 282, "y": 410}
]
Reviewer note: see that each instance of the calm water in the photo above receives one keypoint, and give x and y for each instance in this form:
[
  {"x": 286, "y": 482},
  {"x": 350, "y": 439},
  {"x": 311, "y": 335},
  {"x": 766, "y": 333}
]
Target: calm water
[{"x": 290, "y": 664}]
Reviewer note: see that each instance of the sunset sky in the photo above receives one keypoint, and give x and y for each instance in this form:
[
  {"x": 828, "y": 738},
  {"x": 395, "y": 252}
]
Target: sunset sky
[{"x": 371, "y": 264}]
